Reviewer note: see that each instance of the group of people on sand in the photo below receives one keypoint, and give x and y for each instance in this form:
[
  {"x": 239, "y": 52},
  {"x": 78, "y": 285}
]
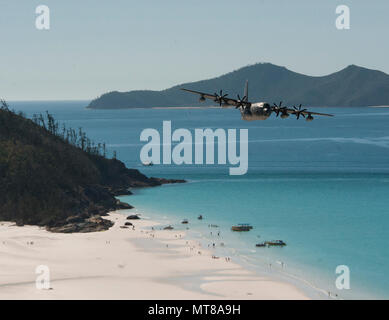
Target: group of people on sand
[{"x": 192, "y": 245}]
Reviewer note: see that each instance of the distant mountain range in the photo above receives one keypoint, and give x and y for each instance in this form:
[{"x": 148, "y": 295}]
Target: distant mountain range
[{"x": 353, "y": 86}]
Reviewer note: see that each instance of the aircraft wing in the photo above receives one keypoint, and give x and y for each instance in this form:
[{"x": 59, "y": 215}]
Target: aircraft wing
[
  {"x": 295, "y": 111},
  {"x": 307, "y": 112},
  {"x": 318, "y": 114},
  {"x": 205, "y": 95},
  {"x": 220, "y": 99}
]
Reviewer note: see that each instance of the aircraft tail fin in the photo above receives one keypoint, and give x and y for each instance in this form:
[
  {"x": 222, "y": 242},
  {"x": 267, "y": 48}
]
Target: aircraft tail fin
[{"x": 246, "y": 90}]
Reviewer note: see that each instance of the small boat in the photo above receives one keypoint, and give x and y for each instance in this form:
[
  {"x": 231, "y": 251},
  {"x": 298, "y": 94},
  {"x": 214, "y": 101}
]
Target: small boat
[
  {"x": 147, "y": 164},
  {"x": 168, "y": 228},
  {"x": 242, "y": 227},
  {"x": 200, "y": 217},
  {"x": 262, "y": 244},
  {"x": 278, "y": 243},
  {"x": 185, "y": 221}
]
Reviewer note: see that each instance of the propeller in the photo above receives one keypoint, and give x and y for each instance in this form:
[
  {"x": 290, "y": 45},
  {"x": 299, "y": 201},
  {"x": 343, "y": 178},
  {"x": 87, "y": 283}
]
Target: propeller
[
  {"x": 278, "y": 109},
  {"x": 277, "y": 106},
  {"x": 220, "y": 98},
  {"x": 240, "y": 102},
  {"x": 299, "y": 111}
]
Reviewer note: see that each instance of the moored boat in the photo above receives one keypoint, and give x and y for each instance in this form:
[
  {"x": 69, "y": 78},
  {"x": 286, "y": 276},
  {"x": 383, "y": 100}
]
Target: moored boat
[
  {"x": 242, "y": 227},
  {"x": 262, "y": 244},
  {"x": 278, "y": 243}
]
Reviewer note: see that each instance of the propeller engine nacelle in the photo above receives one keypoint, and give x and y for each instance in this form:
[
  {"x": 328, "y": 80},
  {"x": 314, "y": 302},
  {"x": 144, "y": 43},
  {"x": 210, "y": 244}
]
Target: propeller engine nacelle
[
  {"x": 281, "y": 110},
  {"x": 300, "y": 112},
  {"x": 220, "y": 98}
]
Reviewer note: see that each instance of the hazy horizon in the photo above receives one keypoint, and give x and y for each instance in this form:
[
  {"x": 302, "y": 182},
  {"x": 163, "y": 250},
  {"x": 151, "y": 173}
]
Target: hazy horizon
[{"x": 92, "y": 48}]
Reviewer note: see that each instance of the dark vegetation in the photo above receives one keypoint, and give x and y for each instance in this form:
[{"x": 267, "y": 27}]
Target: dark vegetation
[
  {"x": 57, "y": 177},
  {"x": 352, "y": 86}
]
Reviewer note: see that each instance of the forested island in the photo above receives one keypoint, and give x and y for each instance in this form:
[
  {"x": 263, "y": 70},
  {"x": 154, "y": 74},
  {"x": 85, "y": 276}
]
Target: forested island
[{"x": 352, "y": 86}]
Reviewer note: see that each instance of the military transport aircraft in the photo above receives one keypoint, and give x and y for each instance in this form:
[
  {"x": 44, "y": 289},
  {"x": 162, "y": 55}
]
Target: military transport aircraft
[{"x": 258, "y": 110}]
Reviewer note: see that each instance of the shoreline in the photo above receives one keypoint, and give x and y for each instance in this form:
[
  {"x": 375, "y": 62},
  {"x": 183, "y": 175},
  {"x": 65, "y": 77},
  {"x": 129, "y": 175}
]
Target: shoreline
[
  {"x": 268, "y": 268},
  {"x": 120, "y": 264}
]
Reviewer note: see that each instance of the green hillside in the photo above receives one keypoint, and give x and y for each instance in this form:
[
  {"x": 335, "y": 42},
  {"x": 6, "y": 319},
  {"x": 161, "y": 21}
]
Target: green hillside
[{"x": 51, "y": 175}]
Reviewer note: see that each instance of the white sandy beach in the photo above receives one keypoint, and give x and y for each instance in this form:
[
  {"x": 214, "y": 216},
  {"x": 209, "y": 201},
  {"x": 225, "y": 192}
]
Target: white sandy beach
[{"x": 124, "y": 264}]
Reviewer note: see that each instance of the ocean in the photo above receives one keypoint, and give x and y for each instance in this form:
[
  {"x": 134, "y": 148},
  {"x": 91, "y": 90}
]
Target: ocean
[{"x": 321, "y": 186}]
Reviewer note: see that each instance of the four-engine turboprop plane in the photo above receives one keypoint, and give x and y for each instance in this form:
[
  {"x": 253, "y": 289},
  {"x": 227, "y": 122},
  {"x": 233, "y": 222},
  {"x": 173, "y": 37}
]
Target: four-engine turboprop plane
[{"x": 258, "y": 110}]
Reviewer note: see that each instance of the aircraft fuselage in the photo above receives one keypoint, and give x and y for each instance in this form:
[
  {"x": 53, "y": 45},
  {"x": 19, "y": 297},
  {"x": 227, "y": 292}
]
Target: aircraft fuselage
[{"x": 256, "y": 111}]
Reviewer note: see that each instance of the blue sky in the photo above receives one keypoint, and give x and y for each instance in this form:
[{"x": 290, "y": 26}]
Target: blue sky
[{"x": 98, "y": 46}]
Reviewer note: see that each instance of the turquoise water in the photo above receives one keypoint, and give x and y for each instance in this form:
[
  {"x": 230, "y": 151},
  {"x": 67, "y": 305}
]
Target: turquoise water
[{"x": 322, "y": 187}]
